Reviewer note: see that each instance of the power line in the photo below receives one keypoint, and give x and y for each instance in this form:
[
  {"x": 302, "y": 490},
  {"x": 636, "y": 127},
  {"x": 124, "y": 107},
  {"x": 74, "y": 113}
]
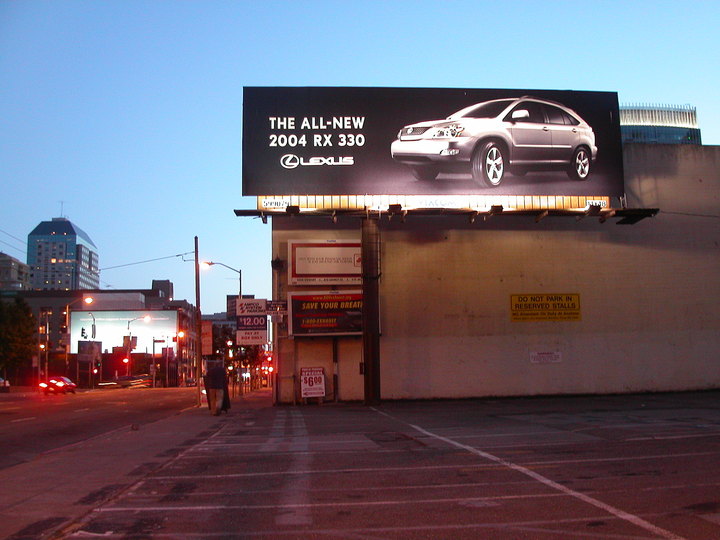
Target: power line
[
  {"x": 10, "y": 245},
  {"x": 147, "y": 261},
  {"x": 13, "y": 237}
]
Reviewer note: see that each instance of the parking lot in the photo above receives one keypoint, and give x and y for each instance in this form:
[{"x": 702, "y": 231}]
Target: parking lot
[{"x": 640, "y": 466}]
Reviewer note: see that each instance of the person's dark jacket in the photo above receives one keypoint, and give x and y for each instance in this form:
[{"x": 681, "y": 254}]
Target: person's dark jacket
[{"x": 216, "y": 378}]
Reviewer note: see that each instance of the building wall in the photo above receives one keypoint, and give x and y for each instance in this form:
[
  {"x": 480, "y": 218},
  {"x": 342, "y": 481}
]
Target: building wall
[
  {"x": 650, "y": 319},
  {"x": 14, "y": 274}
]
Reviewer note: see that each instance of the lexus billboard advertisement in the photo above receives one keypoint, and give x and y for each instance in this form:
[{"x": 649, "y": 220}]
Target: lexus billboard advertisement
[{"x": 391, "y": 141}]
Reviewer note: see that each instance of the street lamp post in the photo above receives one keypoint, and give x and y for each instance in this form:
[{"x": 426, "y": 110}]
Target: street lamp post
[
  {"x": 87, "y": 300},
  {"x": 239, "y": 273},
  {"x": 208, "y": 264},
  {"x": 145, "y": 318},
  {"x": 198, "y": 325}
]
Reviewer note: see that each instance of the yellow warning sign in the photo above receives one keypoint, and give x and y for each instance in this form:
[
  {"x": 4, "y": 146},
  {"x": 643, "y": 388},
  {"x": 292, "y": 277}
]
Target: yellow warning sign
[{"x": 545, "y": 307}]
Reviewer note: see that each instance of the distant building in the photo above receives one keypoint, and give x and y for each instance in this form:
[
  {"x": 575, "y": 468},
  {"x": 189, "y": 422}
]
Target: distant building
[
  {"x": 659, "y": 124},
  {"x": 62, "y": 315},
  {"x": 14, "y": 274},
  {"x": 61, "y": 256}
]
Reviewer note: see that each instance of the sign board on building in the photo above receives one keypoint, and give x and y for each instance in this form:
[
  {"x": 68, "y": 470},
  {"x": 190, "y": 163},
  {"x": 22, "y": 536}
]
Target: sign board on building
[
  {"x": 312, "y": 382},
  {"x": 325, "y": 262},
  {"x": 327, "y": 313},
  {"x": 545, "y": 357},
  {"x": 207, "y": 338},
  {"x": 251, "y": 321},
  {"x": 276, "y": 306},
  {"x": 430, "y": 141},
  {"x": 545, "y": 307}
]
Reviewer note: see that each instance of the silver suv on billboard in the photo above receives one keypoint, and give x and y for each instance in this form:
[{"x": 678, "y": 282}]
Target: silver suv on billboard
[{"x": 492, "y": 138}]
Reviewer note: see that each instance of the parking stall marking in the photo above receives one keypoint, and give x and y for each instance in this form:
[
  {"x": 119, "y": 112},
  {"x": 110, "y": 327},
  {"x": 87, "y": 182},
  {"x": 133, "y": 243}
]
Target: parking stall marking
[
  {"x": 23, "y": 419},
  {"x": 621, "y": 514}
]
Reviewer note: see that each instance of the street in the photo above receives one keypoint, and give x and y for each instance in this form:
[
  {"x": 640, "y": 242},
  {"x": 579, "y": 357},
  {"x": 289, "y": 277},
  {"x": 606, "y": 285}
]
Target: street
[
  {"x": 33, "y": 423},
  {"x": 624, "y": 466}
]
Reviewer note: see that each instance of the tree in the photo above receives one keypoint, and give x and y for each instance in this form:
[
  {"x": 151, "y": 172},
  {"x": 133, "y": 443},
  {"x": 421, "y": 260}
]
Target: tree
[{"x": 17, "y": 335}]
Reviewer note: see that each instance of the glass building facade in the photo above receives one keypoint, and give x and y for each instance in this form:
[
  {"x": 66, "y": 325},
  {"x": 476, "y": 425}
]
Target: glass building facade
[
  {"x": 61, "y": 256},
  {"x": 659, "y": 124}
]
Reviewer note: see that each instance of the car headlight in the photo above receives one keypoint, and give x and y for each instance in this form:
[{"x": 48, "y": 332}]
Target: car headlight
[{"x": 448, "y": 132}]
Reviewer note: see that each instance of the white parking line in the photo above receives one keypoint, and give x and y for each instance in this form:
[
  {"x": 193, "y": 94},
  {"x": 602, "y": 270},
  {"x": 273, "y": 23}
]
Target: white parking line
[
  {"x": 631, "y": 518},
  {"x": 22, "y": 419}
]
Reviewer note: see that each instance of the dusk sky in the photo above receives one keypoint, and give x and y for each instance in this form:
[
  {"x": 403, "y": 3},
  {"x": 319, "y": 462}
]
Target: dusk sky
[{"x": 126, "y": 116}]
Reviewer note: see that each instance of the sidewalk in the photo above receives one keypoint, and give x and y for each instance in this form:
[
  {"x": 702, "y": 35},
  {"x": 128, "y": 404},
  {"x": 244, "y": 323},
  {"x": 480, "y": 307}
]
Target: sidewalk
[{"x": 39, "y": 498}]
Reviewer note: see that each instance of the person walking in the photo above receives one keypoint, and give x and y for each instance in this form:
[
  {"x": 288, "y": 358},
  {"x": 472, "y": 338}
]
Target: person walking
[{"x": 216, "y": 385}]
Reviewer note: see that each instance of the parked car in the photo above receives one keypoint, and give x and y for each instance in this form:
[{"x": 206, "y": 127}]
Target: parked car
[
  {"x": 4, "y": 385},
  {"x": 492, "y": 137},
  {"x": 58, "y": 385}
]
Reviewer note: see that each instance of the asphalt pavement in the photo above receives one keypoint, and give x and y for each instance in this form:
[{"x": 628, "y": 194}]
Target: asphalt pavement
[{"x": 621, "y": 467}]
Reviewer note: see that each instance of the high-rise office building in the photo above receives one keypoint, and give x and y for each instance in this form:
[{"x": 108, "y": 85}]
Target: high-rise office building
[{"x": 62, "y": 256}]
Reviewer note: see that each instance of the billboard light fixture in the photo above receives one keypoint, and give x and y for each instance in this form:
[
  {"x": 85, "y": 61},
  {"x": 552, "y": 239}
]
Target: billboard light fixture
[
  {"x": 292, "y": 209},
  {"x": 495, "y": 209}
]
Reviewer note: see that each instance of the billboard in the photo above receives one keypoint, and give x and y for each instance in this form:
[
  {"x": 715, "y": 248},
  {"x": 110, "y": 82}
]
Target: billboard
[
  {"x": 117, "y": 328},
  {"x": 324, "y": 262},
  {"x": 436, "y": 141},
  {"x": 327, "y": 313}
]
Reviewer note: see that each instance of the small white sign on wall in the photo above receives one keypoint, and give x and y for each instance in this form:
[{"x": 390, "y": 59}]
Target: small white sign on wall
[
  {"x": 545, "y": 357},
  {"x": 312, "y": 382}
]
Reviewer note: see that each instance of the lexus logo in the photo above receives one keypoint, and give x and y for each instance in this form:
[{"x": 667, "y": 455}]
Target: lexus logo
[{"x": 291, "y": 161}]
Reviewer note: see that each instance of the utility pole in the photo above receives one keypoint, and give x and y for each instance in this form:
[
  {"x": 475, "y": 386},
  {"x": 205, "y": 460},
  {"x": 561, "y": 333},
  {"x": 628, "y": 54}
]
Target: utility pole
[{"x": 198, "y": 327}]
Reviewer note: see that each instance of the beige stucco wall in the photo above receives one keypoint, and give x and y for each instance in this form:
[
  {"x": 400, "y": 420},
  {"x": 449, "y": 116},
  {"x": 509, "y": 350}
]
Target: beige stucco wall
[{"x": 649, "y": 295}]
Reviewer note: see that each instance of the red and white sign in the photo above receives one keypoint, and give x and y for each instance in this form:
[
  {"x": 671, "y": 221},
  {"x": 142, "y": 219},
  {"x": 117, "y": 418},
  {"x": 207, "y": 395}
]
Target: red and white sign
[
  {"x": 312, "y": 382},
  {"x": 251, "y": 322},
  {"x": 207, "y": 338},
  {"x": 324, "y": 262}
]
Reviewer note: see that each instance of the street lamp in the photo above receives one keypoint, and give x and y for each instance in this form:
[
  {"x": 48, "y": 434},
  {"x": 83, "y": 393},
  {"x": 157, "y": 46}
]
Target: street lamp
[
  {"x": 146, "y": 319},
  {"x": 87, "y": 300},
  {"x": 208, "y": 264}
]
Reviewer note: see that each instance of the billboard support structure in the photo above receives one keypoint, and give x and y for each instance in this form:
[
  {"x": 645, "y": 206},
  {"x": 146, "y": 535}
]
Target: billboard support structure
[{"x": 370, "y": 245}]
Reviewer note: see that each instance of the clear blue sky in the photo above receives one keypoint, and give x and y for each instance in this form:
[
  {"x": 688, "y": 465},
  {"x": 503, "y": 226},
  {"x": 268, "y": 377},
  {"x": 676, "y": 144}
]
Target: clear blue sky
[{"x": 130, "y": 111}]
